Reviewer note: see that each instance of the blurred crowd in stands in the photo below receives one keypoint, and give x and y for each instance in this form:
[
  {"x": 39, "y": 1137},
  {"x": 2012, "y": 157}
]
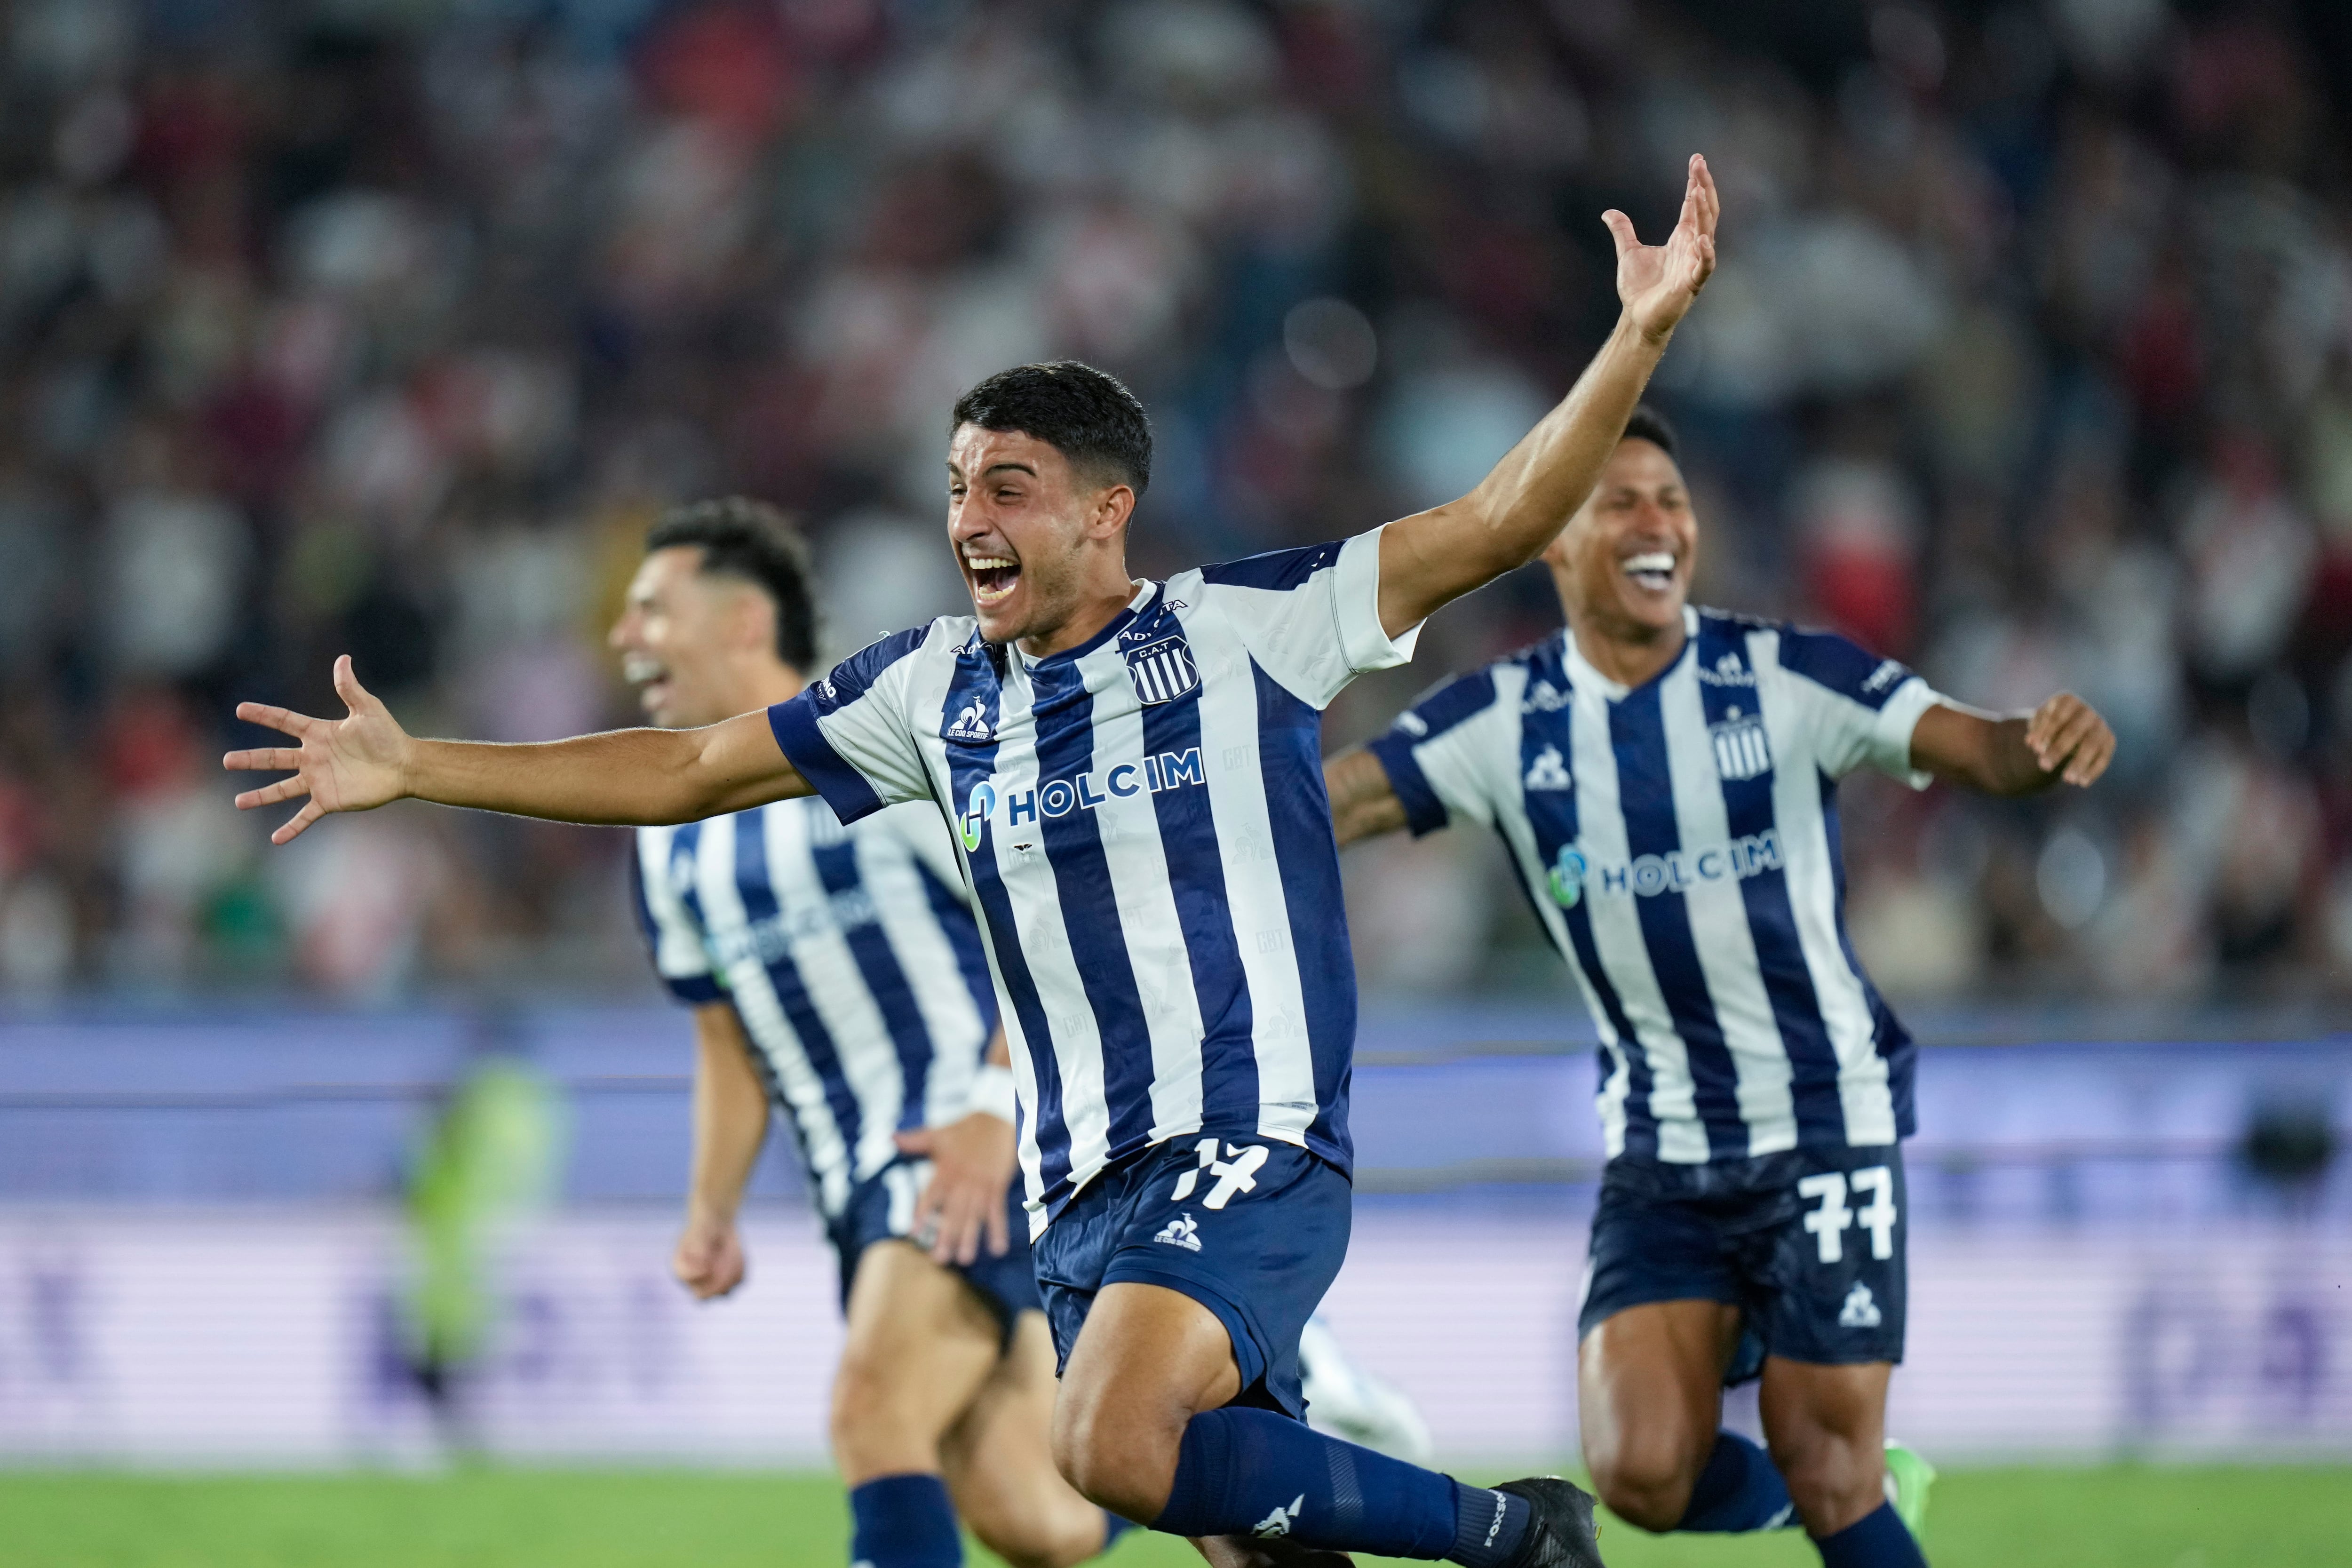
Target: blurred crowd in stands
[{"x": 385, "y": 326}]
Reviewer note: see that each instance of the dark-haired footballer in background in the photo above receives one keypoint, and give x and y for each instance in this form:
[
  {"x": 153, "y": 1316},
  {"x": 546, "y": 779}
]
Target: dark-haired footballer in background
[
  {"x": 1134, "y": 773},
  {"x": 1664, "y": 780},
  {"x": 835, "y": 972}
]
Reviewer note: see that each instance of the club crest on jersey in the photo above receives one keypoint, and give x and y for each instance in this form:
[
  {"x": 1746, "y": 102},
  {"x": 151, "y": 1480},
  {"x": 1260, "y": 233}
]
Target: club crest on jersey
[
  {"x": 1162, "y": 671},
  {"x": 1742, "y": 749}
]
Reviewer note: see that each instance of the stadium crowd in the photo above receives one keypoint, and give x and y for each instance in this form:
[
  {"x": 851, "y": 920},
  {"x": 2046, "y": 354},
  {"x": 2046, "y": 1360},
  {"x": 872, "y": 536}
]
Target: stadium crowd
[{"x": 387, "y": 326}]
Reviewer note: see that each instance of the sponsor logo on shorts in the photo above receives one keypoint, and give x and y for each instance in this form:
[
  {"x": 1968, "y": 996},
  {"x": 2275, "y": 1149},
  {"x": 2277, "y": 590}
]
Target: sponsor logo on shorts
[
  {"x": 1184, "y": 1231},
  {"x": 1860, "y": 1310}
]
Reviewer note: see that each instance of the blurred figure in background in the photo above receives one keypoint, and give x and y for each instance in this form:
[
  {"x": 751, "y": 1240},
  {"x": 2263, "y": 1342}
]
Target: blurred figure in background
[
  {"x": 492, "y": 1157},
  {"x": 1665, "y": 778}
]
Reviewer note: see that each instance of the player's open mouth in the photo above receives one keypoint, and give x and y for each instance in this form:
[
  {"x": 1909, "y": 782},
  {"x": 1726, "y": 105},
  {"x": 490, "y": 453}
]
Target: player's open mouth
[
  {"x": 1653, "y": 570},
  {"x": 993, "y": 578},
  {"x": 650, "y": 676}
]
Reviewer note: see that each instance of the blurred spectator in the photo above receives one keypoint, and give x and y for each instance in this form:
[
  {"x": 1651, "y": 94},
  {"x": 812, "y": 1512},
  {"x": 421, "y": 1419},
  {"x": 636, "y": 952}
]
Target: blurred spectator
[{"x": 383, "y": 329}]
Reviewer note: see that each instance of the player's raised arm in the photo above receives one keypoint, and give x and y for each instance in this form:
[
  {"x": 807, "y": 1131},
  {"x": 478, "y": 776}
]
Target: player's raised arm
[
  {"x": 2064, "y": 741},
  {"x": 1364, "y": 803},
  {"x": 624, "y": 776},
  {"x": 1438, "y": 555}
]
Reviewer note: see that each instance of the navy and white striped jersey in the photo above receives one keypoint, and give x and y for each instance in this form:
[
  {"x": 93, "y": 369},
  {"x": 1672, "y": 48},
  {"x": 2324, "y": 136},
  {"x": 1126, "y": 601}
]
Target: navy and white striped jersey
[
  {"x": 1144, "y": 824},
  {"x": 849, "y": 953},
  {"x": 1679, "y": 841}
]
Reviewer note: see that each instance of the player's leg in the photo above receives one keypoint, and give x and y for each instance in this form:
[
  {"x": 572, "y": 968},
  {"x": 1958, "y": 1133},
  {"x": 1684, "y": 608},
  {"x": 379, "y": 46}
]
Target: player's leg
[
  {"x": 1833, "y": 1295},
  {"x": 1649, "y": 1393},
  {"x": 999, "y": 1462},
  {"x": 919, "y": 1348},
  {"x": 1658, "y": 1329},
  {"x": 1178, "y": 1303},
  {"x": 1827, "y": 1425}
]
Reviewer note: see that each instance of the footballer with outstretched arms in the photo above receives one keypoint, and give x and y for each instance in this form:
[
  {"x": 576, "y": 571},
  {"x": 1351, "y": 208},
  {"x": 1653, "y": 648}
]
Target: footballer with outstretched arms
[
  {"x": 836, "y": 976},
  {"x": 1133, "y": 772},
  {"x": 1664, "y": 778}
]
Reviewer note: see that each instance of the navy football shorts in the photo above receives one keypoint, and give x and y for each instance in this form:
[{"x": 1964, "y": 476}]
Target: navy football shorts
[
  {"x": 882, "y": 1208},
  {"x": 1808, "y": 1244},
  {"x": 1252, "y": 1230}
]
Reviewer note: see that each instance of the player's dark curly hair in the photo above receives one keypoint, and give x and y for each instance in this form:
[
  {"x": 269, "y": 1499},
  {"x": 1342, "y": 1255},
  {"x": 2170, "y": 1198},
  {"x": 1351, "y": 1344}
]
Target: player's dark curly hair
[
  {"x": 1081, "y": 412},
  {"x": 1646, "y": 423},
  {"x": 753, "y": 542}
]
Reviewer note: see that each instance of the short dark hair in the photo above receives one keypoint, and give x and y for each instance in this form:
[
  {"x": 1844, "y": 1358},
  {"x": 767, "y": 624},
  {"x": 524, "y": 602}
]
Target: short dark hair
[
  {"x": 1646, "y": 423},
  {"x": 755, "y": 543},
  {"x": 1082, "y": 413}
]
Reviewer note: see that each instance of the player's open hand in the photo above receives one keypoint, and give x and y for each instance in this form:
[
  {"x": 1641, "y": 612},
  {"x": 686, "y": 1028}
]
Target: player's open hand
[
  {"x": 1657, "y": 283},
  {"x": 2068, "y": 738},
  {"x": 709, "y": 1257},
  {"x": 353, "y": 763},
  {"x": 971, "y": 1170}
]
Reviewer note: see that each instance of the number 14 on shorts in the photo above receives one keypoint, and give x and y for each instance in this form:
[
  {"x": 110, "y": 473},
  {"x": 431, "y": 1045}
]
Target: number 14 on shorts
[
  {"x": 1236, "y": 1171},
  {"x": 1833, "y": 1218}
]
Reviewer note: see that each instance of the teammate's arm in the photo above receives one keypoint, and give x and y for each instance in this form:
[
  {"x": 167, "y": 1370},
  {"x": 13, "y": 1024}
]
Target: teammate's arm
[
  {"x": 629, "y": 777},
  {"x": 1438, "y": 555},
  {"x": 730, "y": 1124},
  {"x": 972, "y": 1160},
  {"x": 2063, "y": 741},
  {"x": 1364, "y": 805}
]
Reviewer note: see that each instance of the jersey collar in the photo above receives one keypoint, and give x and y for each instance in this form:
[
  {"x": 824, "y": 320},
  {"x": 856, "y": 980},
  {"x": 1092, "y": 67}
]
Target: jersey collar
[
  {"x": 1145, "y": 591},
  {"x": 1580, "y": 672}
]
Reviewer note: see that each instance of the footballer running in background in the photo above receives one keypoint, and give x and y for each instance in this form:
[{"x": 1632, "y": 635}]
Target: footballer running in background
[
  {"x": 1663, "y": 779},
  {"x": 1134, "y": 773},
  {"x": 835, "y": 974}
]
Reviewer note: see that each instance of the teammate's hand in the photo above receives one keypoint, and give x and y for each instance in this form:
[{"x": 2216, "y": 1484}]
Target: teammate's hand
[
  {"x": 354, "y": 764},
  {"x": 1657, "y": 283},
  {"x": 971, "y": 1169},
  {"x": 2068, "y": 738},
  {"x": 709, "y": 1257}
]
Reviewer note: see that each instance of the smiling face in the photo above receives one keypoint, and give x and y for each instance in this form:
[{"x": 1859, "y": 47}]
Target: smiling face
[
  {"x": 1623, "y": 562},
  {"x": 697, "y": 647},
  {"x": 1041, "y": 547}
]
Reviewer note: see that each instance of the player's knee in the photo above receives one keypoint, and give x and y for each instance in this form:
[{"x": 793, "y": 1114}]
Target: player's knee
[
  {"x": 1110, "y": 1458},
  {"x": 872, "y": 1420},
  {"x": 1645, "y": 1484},
  {"x": 1833, "y": 1482}
]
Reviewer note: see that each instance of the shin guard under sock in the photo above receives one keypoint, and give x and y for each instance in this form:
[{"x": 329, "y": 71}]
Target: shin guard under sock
[
  {"x": 1876, "y": 1540},
  {"x": 1739, "y": 1490},
  {"x": 1255, "y": 1472},
  {"x": 904, "y": 1521}
]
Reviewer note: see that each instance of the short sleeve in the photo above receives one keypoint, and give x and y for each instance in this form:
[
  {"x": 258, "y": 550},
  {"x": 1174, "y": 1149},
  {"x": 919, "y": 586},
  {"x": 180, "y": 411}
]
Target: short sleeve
[
  {"x": 1312, "y": 616},
  {"x": 1861, "y": 708},
  {"x": 1437, "y": 752},
  {"x": 671, "y": 930},
  {"x": 849, "y": 735}
]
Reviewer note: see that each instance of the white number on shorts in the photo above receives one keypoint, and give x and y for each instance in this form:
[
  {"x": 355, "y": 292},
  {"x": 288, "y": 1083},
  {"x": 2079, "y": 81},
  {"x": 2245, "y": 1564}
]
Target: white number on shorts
[
  {"x": 1877, "y": 1216},
  {"x": 1830, "y": 1221},
  {"x": 1237, "y": 1173}
]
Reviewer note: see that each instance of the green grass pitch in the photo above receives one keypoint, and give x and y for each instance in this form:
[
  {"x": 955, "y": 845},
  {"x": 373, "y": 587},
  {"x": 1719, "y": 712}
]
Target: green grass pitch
[{"x": 2114, "y": 1517}]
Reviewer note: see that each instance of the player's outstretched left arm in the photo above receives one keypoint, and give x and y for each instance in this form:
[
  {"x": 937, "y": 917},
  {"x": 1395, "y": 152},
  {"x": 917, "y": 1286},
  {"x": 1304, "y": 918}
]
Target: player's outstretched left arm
[
  {"x": 625, "y": 777},
  {"x": 2064, "y": 741},
  {"x": 1436, "y": 556}
]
